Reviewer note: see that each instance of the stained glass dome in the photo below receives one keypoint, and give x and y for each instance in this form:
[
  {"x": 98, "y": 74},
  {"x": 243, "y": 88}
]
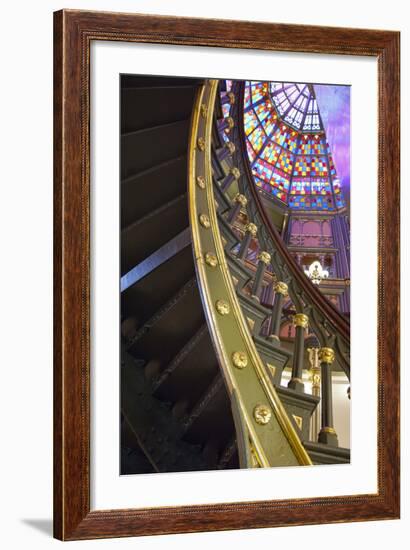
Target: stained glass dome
[{"x": 287, "y": 146}]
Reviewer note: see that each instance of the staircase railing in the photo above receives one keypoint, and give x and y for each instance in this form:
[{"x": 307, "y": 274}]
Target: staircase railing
[
  {"x": 330, "y": 327},
  {"x": 265, "y": 434},
  {"x": 276, "y": 280}
]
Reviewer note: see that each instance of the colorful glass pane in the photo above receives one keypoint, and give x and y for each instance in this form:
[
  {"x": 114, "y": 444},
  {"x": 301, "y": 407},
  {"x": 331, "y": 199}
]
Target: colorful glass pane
[
  {"x": 285, "y": 161},
  {"x": 271, "y": 152},
  {"x": 257, "y": 139},
  {"x": 301, "y": 166},
  {"x": 251, "y": 121},
  {"x": 291, "y": 141},
  {"x": 299, "y": 202},
  {"x": 280, "y": 180},
  {"x": 280, "y": 134},
  {"x": 257, "y": 91},
  {"x": 318, "y": 166},
  {"x": 320, "y": 187},
  {"x": 262, "y": 169},
  {"x": 270, "y": 124},
  {"x": 300, "y": 187},
  {"x": 262, "y": 110},
  {"x": 281, "y": 195}
]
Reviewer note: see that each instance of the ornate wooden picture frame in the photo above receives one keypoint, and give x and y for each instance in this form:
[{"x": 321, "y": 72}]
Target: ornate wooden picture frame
[{"x": 74, "y": 32}]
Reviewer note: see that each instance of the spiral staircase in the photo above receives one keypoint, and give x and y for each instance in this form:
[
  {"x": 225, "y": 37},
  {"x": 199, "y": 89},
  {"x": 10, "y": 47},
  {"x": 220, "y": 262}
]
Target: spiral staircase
[{"x": 206, "y": 282}]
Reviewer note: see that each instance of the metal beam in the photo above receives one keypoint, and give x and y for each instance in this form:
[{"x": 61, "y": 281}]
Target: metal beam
[{"x": 157, "y": 258}]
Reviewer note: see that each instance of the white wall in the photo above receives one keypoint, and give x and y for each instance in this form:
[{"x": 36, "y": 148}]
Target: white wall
[{"x": 26, "y": 268}]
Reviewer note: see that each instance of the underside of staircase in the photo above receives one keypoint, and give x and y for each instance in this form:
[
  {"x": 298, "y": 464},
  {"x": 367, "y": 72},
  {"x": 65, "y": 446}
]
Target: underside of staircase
[{"x": 176, "y": 410}]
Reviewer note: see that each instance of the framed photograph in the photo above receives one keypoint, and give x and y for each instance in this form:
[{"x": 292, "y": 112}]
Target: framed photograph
[{"x": 226, "y": 275}]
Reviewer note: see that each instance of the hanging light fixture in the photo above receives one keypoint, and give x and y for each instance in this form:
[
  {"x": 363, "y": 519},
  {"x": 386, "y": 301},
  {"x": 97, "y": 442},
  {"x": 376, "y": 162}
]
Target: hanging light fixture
[{"x": 316, "y": 273}]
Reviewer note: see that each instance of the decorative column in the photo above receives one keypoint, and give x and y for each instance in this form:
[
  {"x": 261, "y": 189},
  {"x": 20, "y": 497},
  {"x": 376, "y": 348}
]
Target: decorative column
[
  {"x": 313, "y": 351},
  {"x": 228, "y": 98},
  {"x": 327, "y": 433},
  {"x": 264, "y": 261},
  {"x": 226, "y": 150},
  {"x": 226, "y": 123},
  {"x": 234, "y": 174},
  {"x": 239, "y": 202},
  {"x": 281, "y": 291},
  {"x": 300, "y": 321},
  {"x": 250, "y": 231}
]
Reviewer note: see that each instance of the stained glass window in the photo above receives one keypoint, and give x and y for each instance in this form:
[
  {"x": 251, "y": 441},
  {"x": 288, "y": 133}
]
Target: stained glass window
[{"x": 287, "y": 146}]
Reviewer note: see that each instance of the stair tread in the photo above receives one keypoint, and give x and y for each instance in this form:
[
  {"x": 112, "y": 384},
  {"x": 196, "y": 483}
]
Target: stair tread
[
  {"x": 144, "y": 81},
  {"x": 143, "y": 149},
  {"x": 153, "y": 169},
  {"x": 146, "y": 191},
  {"x": 190, "y": 371},
  {"x": 211, "y": 418},
  {"x": 308, "y": 400},
  {"x": 321, "y": 453},
  {"x": 157, "y": 127},
  {"x": 168, "y": 105},
  {"x": 146, "y": 235},
  {"x": 146, "y": 297},
  {"x": 166, "y": 87},
  {"x": 166, "y": 331},
  {"x": 154, "y": 213}
]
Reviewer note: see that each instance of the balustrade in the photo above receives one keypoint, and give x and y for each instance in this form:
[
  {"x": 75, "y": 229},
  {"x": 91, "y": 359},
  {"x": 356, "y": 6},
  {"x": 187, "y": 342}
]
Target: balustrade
[{"x": 326, "y": 327}]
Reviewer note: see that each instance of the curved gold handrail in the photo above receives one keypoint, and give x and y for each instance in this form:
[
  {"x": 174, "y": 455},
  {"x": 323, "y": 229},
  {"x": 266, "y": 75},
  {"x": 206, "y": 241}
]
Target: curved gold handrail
[{"x": 267, "y": 437}]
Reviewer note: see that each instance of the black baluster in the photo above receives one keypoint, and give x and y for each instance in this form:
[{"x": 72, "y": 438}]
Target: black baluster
[
  {"x": 226, "y": 123},
  {"x": 300, "y": 321},
  {"x": 239, "y": 202},
  {"x": 281, "y": 292},
  {"x": 228, "y": 98},
  {"x": 250, "y": 231},
  {"x": 226, "y": 150},
  {"x": 264, "y": 260},
  {"x": 327, "y": 432}
]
